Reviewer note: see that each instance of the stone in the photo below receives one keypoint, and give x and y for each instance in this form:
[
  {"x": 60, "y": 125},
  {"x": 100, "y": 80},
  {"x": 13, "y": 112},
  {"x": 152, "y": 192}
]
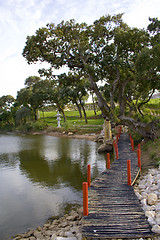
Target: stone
[
  {"x": 156, "y": 229},
  {"x": 60, "y": 233},
  {"x": 64, "y": 224},
  {"x": 151, "y": 221},
  {"x": 53, "y": 237},
  {"x": 74, "y": 229},
  {"x": 73, "y": 216},
  {"x": 17, "y": 238},
  {"x": 158, "y": 220},
  {"x": 67, "y": 228},
  {"x": 157, "y": 208},
  {"x": 150, "y": 214},
  {"x": 39, "y": 228},
  {"x": 68, "y": 234},
  {"x": 152, "y": 199},
  {"x": 80, "y": 210},
  {"x": 48, "y": 233},
  {"x": 105, "y": 148},
  {"x": 38, "y": 235},
  {"x": 64, "y": 238},
  {"x": 79, "y": 236},
  {"x": 144, "y": 201},
  {"x": 47, "y": 225},
  {"x": 70, "y": 133},
  {"x": 32, "y": 238}
]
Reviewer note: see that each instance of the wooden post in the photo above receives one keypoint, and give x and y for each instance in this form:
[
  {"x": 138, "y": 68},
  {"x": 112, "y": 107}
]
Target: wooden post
[
  {"x": 85, "y": 199},
  {"x": 117, "y": 138},
  {"x": 89, "y": 175},
  {"x": 129, "y": 171},
  {"x": 116, "y": 150},
  {"x": 139, "y": 146},
  {"x": 132, "y": 144},
  {"x": 107, "y": 130},
  {"x": 108, "y": 161},
  {"x": 139, "y": 158}
]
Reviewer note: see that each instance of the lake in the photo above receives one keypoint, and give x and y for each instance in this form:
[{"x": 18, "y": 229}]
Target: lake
[{"x": 39, "y": 176}]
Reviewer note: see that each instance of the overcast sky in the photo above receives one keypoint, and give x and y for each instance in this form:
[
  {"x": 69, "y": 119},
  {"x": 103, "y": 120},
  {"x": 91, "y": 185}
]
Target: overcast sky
[{"x": 20, "y": 18}]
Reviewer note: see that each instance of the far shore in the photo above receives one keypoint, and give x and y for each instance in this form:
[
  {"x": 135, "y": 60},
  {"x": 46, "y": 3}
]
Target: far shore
[{"x": 87, "y": 136}]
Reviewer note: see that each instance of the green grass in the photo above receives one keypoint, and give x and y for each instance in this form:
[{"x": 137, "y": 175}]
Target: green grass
[
  {"x": 74, "y": 123},
  {"x": 152, "y": 148}
]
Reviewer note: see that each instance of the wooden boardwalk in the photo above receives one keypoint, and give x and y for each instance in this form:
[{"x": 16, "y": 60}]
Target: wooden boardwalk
[{"x": 114, "y": 209}]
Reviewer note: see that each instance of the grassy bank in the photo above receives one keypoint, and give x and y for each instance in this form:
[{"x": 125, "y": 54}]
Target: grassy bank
[
  {"x": 74, "y": 123},
  {"x": 150, "y": 154}
]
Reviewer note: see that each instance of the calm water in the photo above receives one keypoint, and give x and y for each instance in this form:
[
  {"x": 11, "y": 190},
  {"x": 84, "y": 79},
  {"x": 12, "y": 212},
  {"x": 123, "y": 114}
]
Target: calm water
[{"x": 39, "y": 175}]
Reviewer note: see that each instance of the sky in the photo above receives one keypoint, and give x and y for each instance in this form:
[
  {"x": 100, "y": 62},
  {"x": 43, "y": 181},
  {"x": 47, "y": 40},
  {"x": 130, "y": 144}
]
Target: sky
[{"x": 21, "y": 18}]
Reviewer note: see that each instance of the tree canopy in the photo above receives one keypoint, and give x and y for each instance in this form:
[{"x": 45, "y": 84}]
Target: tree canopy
[{"x": 124, "y": 59}]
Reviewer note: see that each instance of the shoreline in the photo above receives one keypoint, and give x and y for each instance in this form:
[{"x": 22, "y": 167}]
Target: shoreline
[
  {"x": 87, "y": 136},
  {"x": 70, "y": 134},
  {"x": 69, "y": 226}
]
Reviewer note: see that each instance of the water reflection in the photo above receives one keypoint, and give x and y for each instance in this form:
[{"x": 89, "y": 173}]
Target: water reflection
[{"x": 39, "y": 175}]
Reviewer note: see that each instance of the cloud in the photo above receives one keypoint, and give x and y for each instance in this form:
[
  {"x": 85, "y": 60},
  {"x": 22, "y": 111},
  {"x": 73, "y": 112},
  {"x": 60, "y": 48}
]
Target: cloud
[{"x": 20, "y": 18}]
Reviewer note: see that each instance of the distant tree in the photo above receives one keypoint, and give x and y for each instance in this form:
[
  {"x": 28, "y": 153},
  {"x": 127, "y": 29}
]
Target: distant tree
[
  {"x": 6, "y": 103},
  {"x": 22, "y": 114},
  {"x": 35, "y": 94},
  {"x": 74, "y": 88}
]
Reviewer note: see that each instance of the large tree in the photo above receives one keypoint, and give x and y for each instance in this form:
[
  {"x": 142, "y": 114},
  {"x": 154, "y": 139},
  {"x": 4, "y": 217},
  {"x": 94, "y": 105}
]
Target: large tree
[{"x": 108, "y": 51}]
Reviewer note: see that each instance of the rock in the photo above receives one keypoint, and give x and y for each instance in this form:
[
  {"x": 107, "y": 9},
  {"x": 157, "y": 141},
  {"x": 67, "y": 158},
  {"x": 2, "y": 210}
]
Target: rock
[
  {"x": 48, "y": 233},
  {"x": 73, "y": 216},
  {"x": 38, "y": 235},
  {"x": 157, "y": 208},
  {"x": 151, "y": 221},
  {"x": 64, "y": 224},
  {"x": 68, "y": 234},
  {"x": 144, "y": 202},
  {"x": 67, "y": 228},
  {"x": 79, "y": 236},
  {"x": 60, "y": 233},
  {"x": 138, "y": 195},
  {"x": 64, "y": 238},
  {"x": 70, "y": 133},
  {"x": 32, "y": 238},
  {"x": 156, "y": 229},
  {"x": 150, "y": 214},
  {"x": 80, "y": 210},
  {"x": 74, "y": 229},
  {"x": 105, "y": 148},
  {"x": 53, "y": 237},
  {"x": 158, "y": 220},
  {"x": 152, "y": 199}
]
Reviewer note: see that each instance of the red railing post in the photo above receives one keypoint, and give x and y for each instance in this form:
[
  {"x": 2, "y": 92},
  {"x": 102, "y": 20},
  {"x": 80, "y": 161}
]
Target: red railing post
[
  {"x": 139, "y": 158},
  {"x": 139, "y": 146},
  {"x": 89, "y": 175},
  {"x": 132, "y": 144},
  {"x": 85, "y": 199},
  {"x": 108, "y": 161},
  {"x": 116, "y": 150},
  {"x": 117, "y": 138},
  {"x": 129, "y": 171}
]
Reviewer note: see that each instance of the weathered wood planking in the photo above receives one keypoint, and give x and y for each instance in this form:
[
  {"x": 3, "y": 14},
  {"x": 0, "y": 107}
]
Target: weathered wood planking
[{"x": 114, "y": 209}]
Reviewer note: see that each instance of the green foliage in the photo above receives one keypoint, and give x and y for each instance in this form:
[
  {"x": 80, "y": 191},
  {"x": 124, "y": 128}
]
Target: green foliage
[
  {"x": 153, "y": 148},
  {"x": 153, "y": 104}
]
